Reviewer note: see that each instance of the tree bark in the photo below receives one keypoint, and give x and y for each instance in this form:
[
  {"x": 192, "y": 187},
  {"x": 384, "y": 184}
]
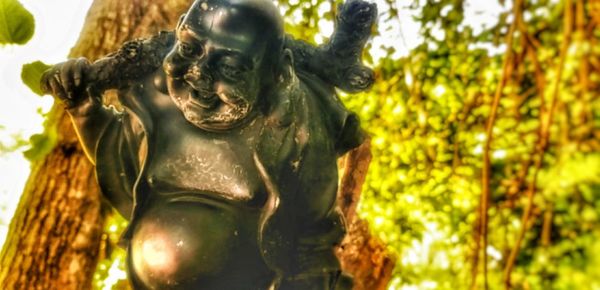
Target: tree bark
[
  {"x": 54, "y": 237},
  {"x": 363, "y": 256}
]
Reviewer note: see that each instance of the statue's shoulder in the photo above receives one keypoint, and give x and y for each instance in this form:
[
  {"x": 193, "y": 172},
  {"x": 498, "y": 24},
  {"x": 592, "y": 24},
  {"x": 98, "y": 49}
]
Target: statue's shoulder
[
  {"x": 309, "y": 101},
  {"x": 342, "y": 125},
  {"x": 337, "y": 64}
]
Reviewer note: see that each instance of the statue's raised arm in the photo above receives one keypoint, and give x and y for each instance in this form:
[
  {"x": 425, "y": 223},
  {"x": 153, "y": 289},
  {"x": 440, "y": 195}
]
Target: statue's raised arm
[{"x": 339, "y": 61}]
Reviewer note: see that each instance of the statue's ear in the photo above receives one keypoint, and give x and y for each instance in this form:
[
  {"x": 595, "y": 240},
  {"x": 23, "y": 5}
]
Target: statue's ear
[
  {"x": 286, "y": 65},
  {"x": 180, "y": 20},
  {"x": 286, "y": 90}
]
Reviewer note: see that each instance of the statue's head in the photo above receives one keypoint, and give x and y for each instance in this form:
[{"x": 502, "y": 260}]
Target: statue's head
[{"x": 227, "y": 55}]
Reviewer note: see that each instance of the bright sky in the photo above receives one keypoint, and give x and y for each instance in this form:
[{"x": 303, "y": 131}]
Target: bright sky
[
  {"x": 57, "y": 27},
  {"x": 58, "y": 23}
]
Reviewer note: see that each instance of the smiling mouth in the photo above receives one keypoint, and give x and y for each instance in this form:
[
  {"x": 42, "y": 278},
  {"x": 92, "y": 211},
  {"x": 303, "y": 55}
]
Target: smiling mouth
[{"x": 206, "y": 100}]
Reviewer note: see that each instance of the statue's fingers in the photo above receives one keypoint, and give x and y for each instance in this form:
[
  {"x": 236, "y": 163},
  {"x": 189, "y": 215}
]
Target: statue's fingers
[
  {"x": 66, "y": 79},
  {"x": 57, "y": 88},
  {"x": 81, "y": 66},
  {"x": 77, "y": 74}
]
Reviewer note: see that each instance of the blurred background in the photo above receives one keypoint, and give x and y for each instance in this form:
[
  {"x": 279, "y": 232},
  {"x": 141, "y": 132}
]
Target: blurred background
[{"x": 485, "y": 127}]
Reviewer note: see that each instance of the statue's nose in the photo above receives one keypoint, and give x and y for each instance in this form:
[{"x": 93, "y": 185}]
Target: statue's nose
[{"x": 198, "y": 77}]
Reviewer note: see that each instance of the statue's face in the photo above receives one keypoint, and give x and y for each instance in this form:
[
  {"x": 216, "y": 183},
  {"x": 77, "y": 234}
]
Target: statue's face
[{"x": 215, "y": 72}]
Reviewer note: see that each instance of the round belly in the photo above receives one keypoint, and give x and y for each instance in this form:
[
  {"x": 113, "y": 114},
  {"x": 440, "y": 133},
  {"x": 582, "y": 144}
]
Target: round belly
[{"x": 195, "y": 245}]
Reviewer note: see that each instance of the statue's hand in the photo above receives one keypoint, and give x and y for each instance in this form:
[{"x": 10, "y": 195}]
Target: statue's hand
[{"x": 66, "y": 81}]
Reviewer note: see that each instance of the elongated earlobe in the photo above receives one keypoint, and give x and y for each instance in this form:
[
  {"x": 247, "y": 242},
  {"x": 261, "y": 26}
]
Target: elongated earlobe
[{"x": 285, "y": 93}]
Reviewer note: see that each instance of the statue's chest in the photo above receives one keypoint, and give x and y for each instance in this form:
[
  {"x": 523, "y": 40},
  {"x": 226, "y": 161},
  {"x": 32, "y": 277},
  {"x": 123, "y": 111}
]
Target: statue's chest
[{"x": 189, "y": 159}]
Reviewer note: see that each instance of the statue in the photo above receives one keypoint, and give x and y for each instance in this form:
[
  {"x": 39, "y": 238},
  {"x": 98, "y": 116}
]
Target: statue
[{"x": 223, "y": 157}]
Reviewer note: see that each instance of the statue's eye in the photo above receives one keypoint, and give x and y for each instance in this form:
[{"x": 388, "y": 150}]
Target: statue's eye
[
  {"x": 230, "y": 72},
  {"x": 188, "y": 50}
]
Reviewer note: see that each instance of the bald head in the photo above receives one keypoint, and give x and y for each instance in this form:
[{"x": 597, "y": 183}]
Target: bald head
[{"x": 250, "y": 25}]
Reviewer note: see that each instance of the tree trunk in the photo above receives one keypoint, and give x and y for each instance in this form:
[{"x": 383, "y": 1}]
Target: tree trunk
[
  {"x": 362, "y": 255},
  {"x": 54, "y": 238}
]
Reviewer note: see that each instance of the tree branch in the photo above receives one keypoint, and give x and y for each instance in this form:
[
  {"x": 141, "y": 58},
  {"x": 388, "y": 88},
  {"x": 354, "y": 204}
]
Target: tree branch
[
  {"x": 542, "y": 144},
  {"x": 507, "y": 68}
]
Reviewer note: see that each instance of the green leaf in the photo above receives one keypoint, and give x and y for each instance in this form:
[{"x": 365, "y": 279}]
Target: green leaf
[
  {"x": 16, "y": 23},
  {"x": 41, "y": 145},
  {"x": 31, "y": 74}
]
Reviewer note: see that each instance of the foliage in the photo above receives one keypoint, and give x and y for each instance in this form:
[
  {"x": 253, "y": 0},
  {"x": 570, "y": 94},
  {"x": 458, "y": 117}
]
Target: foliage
[
  {"x": 427, "y": 115},
  {"x": 15, "y": 142},
  {"x": 16, "y": 23},
  {"x": 18, "y": 28},
  {"x": 41, "y": 144},
  {"x": 31, "y": 75}
]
